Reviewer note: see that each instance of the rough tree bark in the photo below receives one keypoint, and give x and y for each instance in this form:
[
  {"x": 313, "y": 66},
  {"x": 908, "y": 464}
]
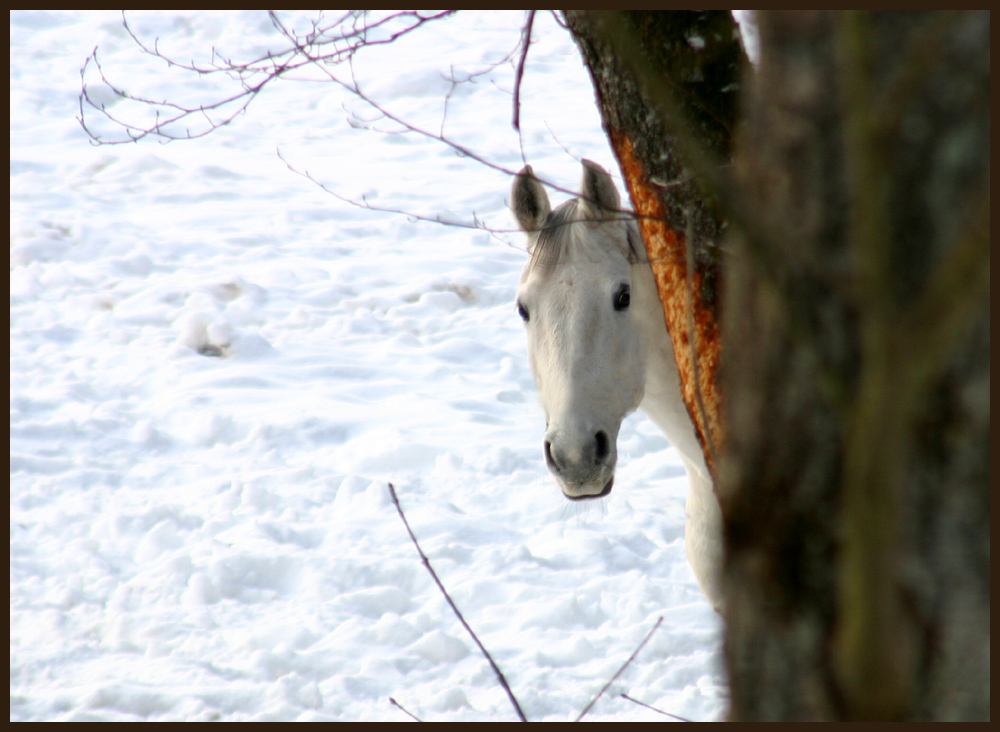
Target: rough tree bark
[
  {"x": 700, "y": 55},
  {"x": 854, "y": 477}
]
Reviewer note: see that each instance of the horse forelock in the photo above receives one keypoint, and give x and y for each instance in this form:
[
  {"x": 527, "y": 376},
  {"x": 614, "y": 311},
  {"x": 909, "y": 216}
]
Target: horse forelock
[
  {"x": 565, "y": 224},
  {"x": 554, "y": 237}
]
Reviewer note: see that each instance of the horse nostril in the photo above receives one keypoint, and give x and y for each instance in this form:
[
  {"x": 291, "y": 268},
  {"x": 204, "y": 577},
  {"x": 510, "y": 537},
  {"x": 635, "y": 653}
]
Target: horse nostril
[
  {"x": 549, "y": 460},
  {"x": 602, "y": 445}
]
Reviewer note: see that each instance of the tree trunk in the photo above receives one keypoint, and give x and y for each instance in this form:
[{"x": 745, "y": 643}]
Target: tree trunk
[
  {"x": 855, "y": 473},
  {"x": 856, "y": 491},
  {"x": 627, "y": 54}
]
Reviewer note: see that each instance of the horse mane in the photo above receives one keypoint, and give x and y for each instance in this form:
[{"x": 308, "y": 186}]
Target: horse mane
[
  {"x": 554, "y": 237},
  {"x": 558, "y": 231}
]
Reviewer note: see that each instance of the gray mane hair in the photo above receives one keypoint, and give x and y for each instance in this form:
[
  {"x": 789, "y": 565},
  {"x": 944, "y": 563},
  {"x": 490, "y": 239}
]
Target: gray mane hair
[
  {"x": 554, "y": 237},
  {"x": 558, "y": 231}
]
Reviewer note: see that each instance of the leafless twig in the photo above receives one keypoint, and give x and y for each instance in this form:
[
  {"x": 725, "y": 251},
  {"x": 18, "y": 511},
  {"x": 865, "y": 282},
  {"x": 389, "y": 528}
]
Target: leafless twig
[
  {"x": 559, "y": 21},
  {"x": 458, "y": 614},
  {"x": 405, "y": 710},
  {"x": 324, "y": 47},
  {"x": 476, "y": 223},
  {"x": 518, "y": 76},
  {"x": 620, "y": 671},
  {"x": 328, "y": 44},
  {"x": 658, "y": 711},
  {"x": 469, "y": 76}
]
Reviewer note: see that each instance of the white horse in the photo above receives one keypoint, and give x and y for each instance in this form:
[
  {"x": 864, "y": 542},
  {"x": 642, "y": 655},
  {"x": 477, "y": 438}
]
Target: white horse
[{"x": 599, "y": 349}]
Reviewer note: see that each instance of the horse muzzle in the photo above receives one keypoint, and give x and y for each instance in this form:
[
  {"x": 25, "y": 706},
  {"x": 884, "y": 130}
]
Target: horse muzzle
[
  {"x": 584, "y": 496},
  {"x": 584, "y": 468}
]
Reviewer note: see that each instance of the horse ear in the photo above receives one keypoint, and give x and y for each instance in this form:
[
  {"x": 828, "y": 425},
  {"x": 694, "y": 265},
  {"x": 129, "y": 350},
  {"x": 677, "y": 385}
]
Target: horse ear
[
  {"x": 598, "y": 190},
  {"x": 529, "y": 201}
]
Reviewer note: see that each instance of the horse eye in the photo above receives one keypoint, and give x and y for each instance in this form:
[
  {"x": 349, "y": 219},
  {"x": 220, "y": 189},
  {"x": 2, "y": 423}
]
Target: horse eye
[
  {"x": 623, "y": 298},
  {"x": 522, "y": 312}
]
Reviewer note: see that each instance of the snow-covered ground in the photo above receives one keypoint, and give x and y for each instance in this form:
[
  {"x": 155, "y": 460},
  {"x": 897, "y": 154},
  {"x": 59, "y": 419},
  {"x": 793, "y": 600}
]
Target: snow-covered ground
[{"x": 216, "y": 367}]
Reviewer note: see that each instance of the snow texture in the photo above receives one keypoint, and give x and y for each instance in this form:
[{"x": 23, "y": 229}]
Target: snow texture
[{"x": 216, "y": 367}]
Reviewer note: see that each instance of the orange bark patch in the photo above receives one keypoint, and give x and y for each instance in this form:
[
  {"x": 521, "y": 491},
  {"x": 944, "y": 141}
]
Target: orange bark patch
[{"x": 667, "y": 252}]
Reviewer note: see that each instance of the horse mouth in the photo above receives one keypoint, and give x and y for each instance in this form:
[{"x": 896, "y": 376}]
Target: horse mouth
[{"x": 604, "y": 491}]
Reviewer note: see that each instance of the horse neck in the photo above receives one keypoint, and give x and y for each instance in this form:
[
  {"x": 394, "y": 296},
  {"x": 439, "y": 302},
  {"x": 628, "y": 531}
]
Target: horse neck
[{"x": 663, "y": 402}]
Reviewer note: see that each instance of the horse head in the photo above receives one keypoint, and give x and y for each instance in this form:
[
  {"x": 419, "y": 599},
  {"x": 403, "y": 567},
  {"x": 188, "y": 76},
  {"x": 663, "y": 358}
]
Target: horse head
[{"x": 584, "y": 345}]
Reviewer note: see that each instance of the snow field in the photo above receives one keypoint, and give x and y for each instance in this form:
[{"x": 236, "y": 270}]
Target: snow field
[{"x": 216, "y": 368}]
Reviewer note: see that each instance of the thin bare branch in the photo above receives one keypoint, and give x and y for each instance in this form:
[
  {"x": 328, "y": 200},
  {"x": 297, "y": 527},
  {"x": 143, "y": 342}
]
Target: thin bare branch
[
  {"x": 325, "y": 46},
  {"x": 658, "y": 711},
  {"x": 577, "y": 158},
  {"x": 458, "y": 613},
  {"x": 404, "y": 710},
  {"x": 525, "y": 45},
  {"x": 329, "y": 44},
  {"x": 465, "y": 152},
  {"x": 620, "y": 671},
  {"x": 469, "y": 76},
  {"x": 477, "y": 223}
]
